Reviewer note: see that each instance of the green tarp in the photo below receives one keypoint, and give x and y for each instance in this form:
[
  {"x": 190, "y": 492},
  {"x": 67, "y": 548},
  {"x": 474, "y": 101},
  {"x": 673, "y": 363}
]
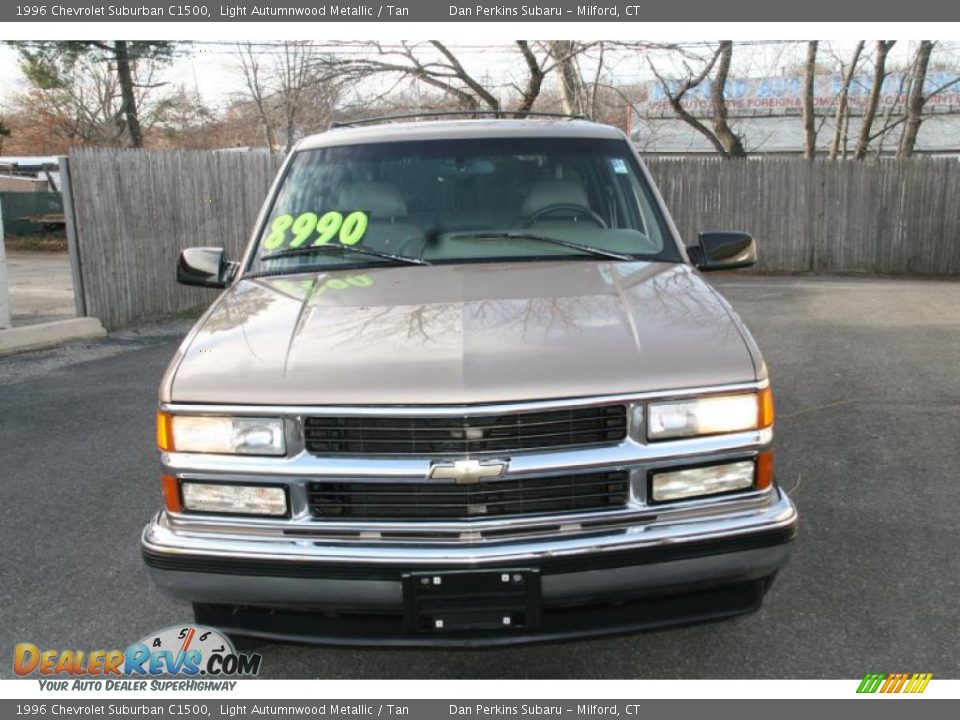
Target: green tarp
[{"x": 18, "y": 205}]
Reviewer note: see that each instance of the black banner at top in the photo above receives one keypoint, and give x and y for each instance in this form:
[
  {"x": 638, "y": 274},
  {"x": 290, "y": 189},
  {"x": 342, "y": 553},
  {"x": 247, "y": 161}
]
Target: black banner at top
[{"x": 476, "y": 11}]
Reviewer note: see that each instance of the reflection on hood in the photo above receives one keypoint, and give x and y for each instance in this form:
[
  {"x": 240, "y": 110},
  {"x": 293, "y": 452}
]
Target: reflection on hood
[{"x": 457, "y": 334}]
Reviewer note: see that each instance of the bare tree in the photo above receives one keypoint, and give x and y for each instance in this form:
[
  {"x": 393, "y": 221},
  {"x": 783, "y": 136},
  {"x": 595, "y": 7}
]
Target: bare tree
[
  {"x": 911, "y": 95},
  {"x": 188, "y": 122},
  {"x": 252, "y": 74},
  {"x": 125, "y": 76},
  {"x": 411, "y": 61},
  {"x": 5, "y": 132},
  {"x": 675, "y": 99},
  {"x": 437, "y": 66},
  {"x": 293, "y": 89},
  {"x": 721, "y": 136},
  {"x": 300, "y": 90},
  {"x": 842, "y": 115},
  {"x": 889, "y": 123},
  {"x": 535, "y": 75},
  {"x": 870, "y": 111},
  {"x": 571, "y": 81},
  {"x": 809, "y": 127},
  {"x": 595, "y": 88},
  {"x": 729, "y": 139},
  {"x": 454, "y": 68},
  {"x": 917, "y": 100}
]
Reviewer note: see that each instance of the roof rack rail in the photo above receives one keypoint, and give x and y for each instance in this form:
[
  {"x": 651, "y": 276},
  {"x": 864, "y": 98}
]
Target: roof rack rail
[{"x": 444, "y": 113}]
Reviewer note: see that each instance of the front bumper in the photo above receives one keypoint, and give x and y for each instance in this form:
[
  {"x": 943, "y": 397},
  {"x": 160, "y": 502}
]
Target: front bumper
[{"x": 664, "y": 568}]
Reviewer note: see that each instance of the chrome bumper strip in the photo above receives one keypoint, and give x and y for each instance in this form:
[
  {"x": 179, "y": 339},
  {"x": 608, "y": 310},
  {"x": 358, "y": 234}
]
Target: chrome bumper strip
[{"x": 161, "y": 536}]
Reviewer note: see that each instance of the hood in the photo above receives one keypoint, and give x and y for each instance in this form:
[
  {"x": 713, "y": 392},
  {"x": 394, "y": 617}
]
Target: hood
[{"x": 460, "y": 334}]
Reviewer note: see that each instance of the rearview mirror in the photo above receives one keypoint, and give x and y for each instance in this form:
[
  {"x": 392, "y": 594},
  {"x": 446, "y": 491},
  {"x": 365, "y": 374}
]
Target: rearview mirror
[
  {"x": 205, "y": 267},
  {"x": 723, "y": 250}
]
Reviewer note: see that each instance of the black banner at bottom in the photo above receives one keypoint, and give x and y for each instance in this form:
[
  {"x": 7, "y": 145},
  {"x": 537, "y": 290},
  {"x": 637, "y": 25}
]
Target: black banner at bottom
[{"x": 181, "y": 709}]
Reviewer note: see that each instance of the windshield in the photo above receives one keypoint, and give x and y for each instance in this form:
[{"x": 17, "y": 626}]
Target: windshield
[{"x": 473, "y": 200}]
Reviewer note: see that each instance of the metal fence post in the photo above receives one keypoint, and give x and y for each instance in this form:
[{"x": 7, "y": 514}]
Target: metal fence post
[
  {"x": 73, "y": 244},
  {"x": 5, "y": 320}
]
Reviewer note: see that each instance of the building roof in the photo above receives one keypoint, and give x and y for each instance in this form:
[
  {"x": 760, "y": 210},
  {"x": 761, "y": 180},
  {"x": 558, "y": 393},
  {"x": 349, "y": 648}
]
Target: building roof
[
  {"x": 29, "y": 161},
  {"x": 939, "y": 133}
]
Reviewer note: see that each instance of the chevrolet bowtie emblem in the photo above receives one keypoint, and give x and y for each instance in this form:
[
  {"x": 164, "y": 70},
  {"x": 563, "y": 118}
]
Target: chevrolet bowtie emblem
[{"x": 468, "y": 472}]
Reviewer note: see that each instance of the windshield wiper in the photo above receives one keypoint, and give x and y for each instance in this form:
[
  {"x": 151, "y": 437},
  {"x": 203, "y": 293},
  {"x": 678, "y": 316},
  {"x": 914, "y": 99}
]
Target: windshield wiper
[
  {"x": 513, "y": 235},
  {"x": 311, "y": 249}
]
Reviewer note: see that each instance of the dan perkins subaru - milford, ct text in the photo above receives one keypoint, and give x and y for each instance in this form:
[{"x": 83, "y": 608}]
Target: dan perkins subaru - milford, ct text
[
  {"x": 545, "y": 10},
  {"x": 493, "y": 710}
]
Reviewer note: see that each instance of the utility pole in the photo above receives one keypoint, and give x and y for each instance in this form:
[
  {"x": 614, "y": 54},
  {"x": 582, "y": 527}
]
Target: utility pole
[{"x": 4, "y": 291}]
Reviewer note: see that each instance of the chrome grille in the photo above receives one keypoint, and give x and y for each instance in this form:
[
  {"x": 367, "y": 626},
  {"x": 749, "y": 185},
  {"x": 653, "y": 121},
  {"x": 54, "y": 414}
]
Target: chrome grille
[
  {"x": 402, "y": 501},
  {"x": 514, "y": 432}
]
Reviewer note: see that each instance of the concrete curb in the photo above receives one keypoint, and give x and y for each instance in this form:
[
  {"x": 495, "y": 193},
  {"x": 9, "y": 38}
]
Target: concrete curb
[{"x": 46, "y": 335}]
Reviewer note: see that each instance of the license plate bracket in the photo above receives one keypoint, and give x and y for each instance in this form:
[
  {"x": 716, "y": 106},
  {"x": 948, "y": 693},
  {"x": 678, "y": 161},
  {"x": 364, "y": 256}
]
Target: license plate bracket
[{"x": 472, "y": 601}]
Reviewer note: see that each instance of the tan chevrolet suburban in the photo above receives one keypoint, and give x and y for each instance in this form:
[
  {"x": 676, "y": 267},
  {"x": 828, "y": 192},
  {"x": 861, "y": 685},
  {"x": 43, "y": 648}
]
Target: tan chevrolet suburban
[{"x": 466, "y": 386}]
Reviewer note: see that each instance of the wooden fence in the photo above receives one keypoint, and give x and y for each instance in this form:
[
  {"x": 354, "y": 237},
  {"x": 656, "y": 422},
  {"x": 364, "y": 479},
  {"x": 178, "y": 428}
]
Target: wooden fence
[
  {"x": 135, "y": 210},
  {"x": 891, "y": 217}
]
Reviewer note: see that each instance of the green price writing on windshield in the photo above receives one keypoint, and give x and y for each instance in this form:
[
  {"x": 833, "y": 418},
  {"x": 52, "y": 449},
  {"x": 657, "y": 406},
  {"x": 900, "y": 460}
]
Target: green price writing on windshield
[{"x": 322, "y": 228}]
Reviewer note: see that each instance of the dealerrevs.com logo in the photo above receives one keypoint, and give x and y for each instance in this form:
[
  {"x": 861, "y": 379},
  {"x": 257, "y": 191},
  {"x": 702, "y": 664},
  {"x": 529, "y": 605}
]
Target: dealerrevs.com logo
[{"x": 186, "y": 651}]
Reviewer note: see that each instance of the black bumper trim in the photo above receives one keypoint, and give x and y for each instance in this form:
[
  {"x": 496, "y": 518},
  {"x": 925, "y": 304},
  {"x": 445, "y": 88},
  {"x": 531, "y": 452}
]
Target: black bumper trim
[
  {"x": 681, "y": 606},
  {"x": 548, "y": 565}
]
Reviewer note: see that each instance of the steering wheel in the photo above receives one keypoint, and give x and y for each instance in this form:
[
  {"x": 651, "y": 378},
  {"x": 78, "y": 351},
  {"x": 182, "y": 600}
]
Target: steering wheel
[{"x": 569, "y": 207}]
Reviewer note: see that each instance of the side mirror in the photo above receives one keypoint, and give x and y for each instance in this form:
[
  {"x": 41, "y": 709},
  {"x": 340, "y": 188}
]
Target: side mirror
[
  {"x": 205, "y": 267},
  {"x": 723, "y": 250}
]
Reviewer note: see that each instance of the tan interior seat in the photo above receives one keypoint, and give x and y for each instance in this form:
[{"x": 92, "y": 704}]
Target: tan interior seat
[
  {"x": 545, "y": 193},
  {"x": 386, "y": 209},
  {"x": 380, "y": 200}
]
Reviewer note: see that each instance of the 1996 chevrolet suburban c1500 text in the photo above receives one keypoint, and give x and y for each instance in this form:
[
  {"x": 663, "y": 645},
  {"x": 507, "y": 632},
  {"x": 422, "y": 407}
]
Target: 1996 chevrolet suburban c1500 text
[{"x": 466, "y": 386}]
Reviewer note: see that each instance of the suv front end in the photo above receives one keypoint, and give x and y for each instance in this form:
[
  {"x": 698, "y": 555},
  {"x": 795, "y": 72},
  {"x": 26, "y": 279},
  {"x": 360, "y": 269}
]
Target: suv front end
[
  {"x": 503, "y": 407},
  {"x": 657, "y": 531}
]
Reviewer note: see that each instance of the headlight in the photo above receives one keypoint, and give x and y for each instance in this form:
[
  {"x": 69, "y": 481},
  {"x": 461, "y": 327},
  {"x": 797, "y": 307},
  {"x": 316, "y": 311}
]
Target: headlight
[
  {"x": 710, "y": 415},
  {"x": 696, "y": 482},
  {"x": 214, "y": 434},
  {"x": 236, "y": 499}
]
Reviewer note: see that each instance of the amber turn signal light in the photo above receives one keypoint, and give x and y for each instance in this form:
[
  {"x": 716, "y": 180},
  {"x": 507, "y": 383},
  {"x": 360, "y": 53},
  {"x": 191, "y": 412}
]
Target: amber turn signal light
[
  {"x": 171, "y": 493},
  {"x": 764, "y": 476},
  {"x": 765, "y": 408},
  {"x": 164, "y": 431}
]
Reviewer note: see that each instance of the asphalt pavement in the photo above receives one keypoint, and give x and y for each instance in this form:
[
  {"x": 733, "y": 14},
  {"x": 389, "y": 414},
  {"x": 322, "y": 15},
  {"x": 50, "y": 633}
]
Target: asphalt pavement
[
  {"x": 867, "y": 381},
  {"x": 41, "y": 287}
]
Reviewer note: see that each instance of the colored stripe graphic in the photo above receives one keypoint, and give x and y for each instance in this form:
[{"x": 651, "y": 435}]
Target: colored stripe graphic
[
  {"x": 894, "y": 683},
  {"x": 918, "y": 683},
  {"x": 871, "y": 682},
  {"x": 891, "y": 684}
]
